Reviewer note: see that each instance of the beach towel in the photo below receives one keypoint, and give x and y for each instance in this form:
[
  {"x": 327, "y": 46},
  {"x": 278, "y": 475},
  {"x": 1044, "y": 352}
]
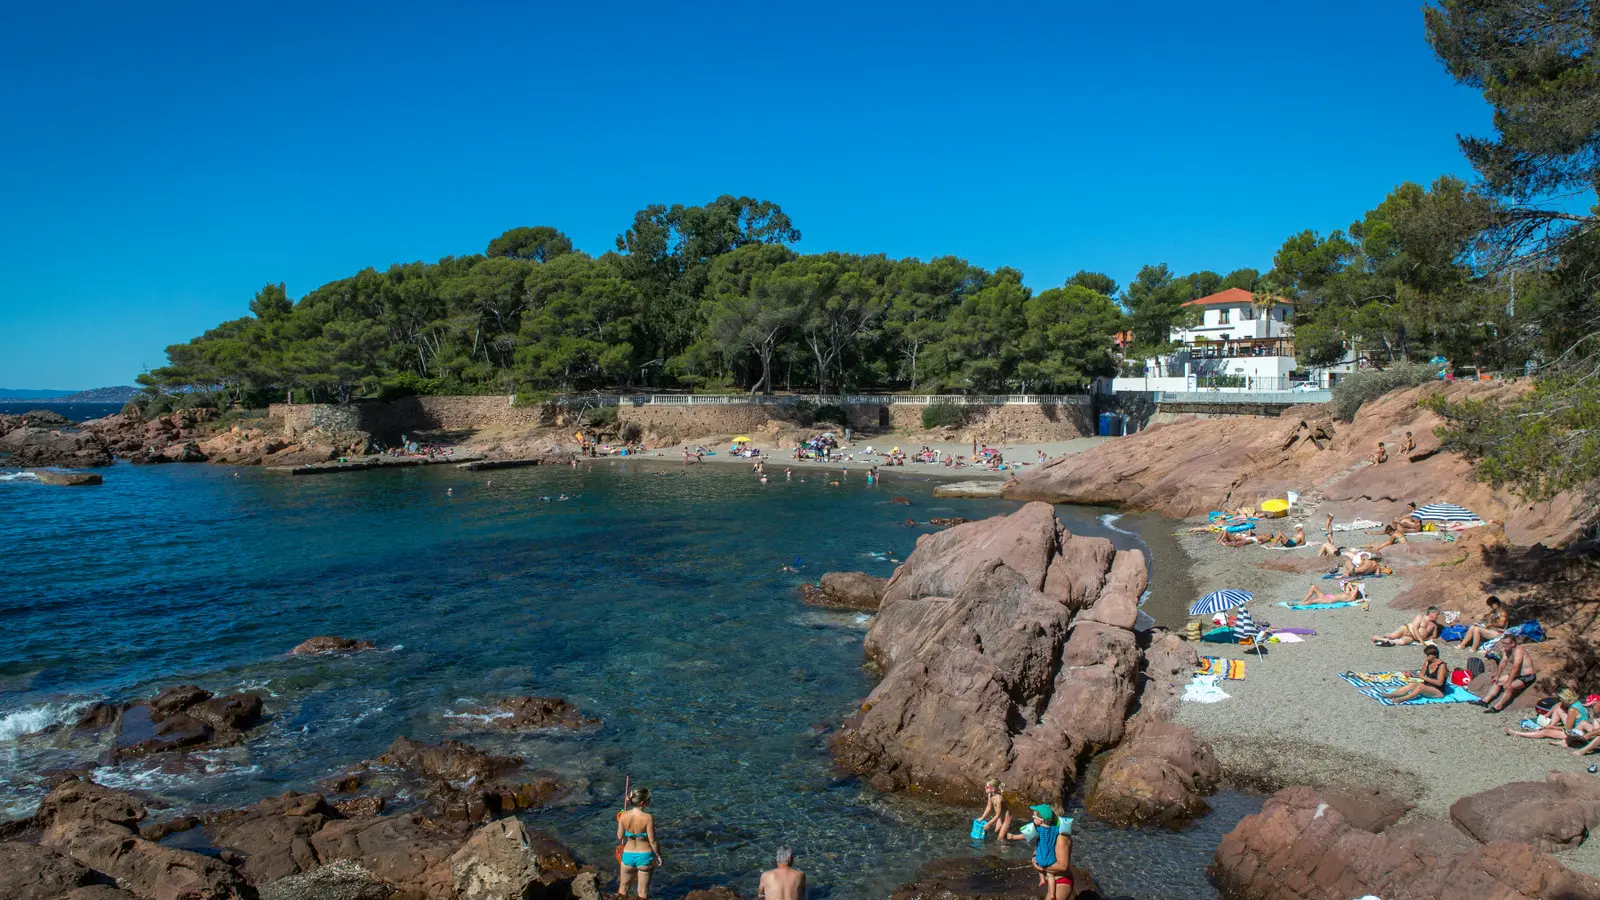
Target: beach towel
[
  {"x": 1220, "y": 636},
  {"x": 1295, "y": 629},
  {"x": 1285, "y": 638},
  {"x": 1452, "y": 632},
  {"x": 1203, "y": 689},
  {"x": 1376, "y": 684},
  {"x": 1356, "y": 525},
  {"x": 1339, "y": 605},
  {"x": 1231, "y": 669}
]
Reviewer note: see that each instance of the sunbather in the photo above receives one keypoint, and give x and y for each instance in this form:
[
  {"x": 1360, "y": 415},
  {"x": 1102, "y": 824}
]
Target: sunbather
[
  {"x": 1378, "y": 456},
  {"x": 1314, "y": 595},
  {"x": 1399, "y": 528},
  {"x": 1419, "y": 630},
  {"x": 1237, "y": 539},
  {"x": 1368, "y": 565},
  {"x": 1563, "y": 717},
  {"x": 1298, "y": 539},
  {"x": 1487, "y": 629},
  {"x": 1435, "y": 675},
  {"x": 1515, "y": 675}
]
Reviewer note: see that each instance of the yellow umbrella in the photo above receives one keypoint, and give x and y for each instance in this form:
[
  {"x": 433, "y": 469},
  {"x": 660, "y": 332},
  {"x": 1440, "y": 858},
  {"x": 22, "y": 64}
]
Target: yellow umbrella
[
  {"x": 741, "y": 439},
  {"x": 1275, "y": 508}
]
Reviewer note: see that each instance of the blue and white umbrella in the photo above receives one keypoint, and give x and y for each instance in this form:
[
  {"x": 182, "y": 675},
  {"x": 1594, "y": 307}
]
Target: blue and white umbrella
[
  {"x": 1445, "y": 512},
  {"x": 1219, "y": 601}
]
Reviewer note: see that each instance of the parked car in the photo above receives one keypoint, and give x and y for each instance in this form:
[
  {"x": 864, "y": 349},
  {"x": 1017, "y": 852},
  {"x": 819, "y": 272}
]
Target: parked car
[{"x": 1306, "y": 386}]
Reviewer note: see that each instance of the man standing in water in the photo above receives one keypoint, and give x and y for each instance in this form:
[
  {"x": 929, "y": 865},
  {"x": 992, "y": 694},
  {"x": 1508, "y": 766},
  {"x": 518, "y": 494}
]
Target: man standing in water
[{"x": 785, "y": 882}]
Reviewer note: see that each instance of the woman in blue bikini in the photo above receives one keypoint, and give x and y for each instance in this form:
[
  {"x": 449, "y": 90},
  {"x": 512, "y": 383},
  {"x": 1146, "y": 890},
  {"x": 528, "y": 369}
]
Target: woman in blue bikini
[{"x": 636, "y": 832}]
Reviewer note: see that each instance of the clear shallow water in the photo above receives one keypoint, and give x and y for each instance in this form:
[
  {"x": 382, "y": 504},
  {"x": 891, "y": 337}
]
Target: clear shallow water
[{"x": 654, "y": 601}]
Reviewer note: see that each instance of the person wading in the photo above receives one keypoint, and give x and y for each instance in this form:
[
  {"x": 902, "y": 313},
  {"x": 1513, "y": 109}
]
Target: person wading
[
  {"x": 636, "y": 835},
  {"x": 783, "y": 883}
]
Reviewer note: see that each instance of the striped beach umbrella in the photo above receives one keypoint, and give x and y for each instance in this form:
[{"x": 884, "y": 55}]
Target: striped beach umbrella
[
  {"x": 1219, "y": 601},
  {"x": 1445, "y": 512}
]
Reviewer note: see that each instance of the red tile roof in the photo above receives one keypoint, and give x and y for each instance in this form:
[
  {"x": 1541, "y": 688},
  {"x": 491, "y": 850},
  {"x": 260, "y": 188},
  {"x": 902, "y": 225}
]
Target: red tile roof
[{"x": 1231, "y": 295}]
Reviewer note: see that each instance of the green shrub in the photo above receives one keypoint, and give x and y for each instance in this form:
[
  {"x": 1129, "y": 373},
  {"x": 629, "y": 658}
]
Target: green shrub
[
  {"x": 600, "y": 416},
  {"x": 943, "y": 415},
  {"x": 1351, "y": 393},
  {"x": 829, "y": 412}
]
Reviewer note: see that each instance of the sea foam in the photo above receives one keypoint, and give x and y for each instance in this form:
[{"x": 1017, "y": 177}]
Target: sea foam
[{"x": 37, "y": 718}]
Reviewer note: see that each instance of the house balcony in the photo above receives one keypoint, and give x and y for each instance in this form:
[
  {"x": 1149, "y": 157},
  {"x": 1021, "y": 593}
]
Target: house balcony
[{"x": 1237, "y": 348}]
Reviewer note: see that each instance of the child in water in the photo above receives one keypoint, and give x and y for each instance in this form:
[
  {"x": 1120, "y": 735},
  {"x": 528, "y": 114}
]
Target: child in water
[{"x": 995, "y": 816}]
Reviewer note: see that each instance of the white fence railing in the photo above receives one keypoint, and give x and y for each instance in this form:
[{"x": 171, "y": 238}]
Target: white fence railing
[
  {"x": 1235, "y": 396},
  {"x": 846, "y": 400}
]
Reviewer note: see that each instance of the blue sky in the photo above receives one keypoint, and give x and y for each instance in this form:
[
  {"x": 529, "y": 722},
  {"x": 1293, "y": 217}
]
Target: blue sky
[{"x": 160, "y": 162}]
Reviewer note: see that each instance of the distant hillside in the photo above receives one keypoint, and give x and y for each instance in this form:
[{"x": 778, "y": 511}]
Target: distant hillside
[
  {"x": 119, "y": 394},
  {"x": 15, "y": 394}
]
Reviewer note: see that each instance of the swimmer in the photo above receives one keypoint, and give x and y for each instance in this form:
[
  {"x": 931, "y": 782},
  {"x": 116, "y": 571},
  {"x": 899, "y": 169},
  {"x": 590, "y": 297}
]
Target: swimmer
[
  {"x": 449, "y": 492},
  {"x": 763, "y": 479},
  {"x": 788, "y": 474}
]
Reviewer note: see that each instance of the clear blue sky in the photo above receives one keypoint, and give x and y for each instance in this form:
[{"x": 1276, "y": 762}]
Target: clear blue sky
[{"x": 161, "y": 161}]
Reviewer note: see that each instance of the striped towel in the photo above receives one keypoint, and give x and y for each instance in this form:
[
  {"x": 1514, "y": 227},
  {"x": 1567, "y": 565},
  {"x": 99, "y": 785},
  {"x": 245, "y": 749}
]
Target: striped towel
[
  {"x": 1339, "y": 605},
  {"x": 1231, "y": 669},
  {"x": 1376, "y": 684}
]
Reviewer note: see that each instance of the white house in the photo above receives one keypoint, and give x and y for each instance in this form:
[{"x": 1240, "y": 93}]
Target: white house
[{"x": 1236, "y": 344}]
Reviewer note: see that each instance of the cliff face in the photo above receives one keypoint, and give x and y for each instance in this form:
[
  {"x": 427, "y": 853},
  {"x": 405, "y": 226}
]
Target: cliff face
[{"x": 1193, "y": 466}]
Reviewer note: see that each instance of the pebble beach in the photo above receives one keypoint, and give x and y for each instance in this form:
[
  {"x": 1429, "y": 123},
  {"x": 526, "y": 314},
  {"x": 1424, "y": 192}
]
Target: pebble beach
[{"x": 1292, "y": 720}]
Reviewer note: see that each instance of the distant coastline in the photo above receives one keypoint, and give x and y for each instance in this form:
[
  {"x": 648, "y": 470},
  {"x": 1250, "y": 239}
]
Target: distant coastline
[{"x": 118, "y": 394}]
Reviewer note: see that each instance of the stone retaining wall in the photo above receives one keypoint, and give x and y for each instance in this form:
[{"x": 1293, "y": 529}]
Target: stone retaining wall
[{"x": 387, "y": 421}]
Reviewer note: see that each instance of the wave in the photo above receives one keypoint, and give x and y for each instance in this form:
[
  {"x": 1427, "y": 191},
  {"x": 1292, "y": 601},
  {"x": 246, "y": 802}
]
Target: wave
[
  {"x": 17, "y": 476},
  {"x": 1109, "y": 520},
  {"x": 37, "y": 718}
]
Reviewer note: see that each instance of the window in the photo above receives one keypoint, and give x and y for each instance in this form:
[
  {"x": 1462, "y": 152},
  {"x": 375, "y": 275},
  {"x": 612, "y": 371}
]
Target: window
[
  {"x": 1248, "y": 314},
  {"x": 1222, "y": 316}
]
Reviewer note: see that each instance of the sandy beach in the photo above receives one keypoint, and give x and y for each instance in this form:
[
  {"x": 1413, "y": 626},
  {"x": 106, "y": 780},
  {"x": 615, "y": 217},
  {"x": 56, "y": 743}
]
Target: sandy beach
[{"x": 1292, "y": 720}]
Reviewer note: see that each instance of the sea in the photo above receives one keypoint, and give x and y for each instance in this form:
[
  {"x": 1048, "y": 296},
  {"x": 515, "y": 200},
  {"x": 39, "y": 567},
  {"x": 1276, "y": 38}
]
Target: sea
[
  {"x": 77, "y": 412},
  {"x": 650, "y": 595}
]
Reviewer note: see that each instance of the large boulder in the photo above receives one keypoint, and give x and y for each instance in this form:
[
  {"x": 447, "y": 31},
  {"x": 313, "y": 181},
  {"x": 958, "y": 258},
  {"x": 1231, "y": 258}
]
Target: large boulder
[
  {"x": 1160, "y": 774},
  {"x": 76, "y": 801},
  {"x": 32, "y": 872},
  {"x": 447, "y": 760},
  {"x": 1169, "y": 665},
  {"x": 183, "y": 717},
  {"x": 846, "y": 590},
  {"x": 1550, "y": 815},
  {"x": 409, "y": 852},
  {"x": 29, "y": 447},
  {"x": 459, "y": 782},
  {"x": 986, "y": 674},
  {"x": 272, "y": 839},
  {"x": 496, "y": 863},
  {"x": 1300, "y": 847}
]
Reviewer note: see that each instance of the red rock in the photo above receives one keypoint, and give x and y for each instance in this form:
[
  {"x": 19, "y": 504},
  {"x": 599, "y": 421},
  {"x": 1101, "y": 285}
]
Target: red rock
[
  {"x": 1160, "y": 774},
  {"x": 985, "y": 677},
  {"x": 1549, "y": 815},
  {"x": 31, "y": 872},
  {"x": 447, "y": 760},
  {"x": 272, "y": 839},
  {"x": 1302, "y": 848},
  {"x": 1369, "y": 809},
  {"x": 846, "y": 590},
  {"x": 79, "y": 800}
]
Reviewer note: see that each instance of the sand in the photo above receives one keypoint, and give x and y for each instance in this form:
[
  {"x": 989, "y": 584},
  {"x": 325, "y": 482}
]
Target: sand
[
  {"x": 1024, "y": 454},
  {"x": 1294, "y": 721}
]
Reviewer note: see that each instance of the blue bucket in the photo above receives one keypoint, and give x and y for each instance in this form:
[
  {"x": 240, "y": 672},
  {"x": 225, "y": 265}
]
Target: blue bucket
[{"x": 979, "y": 832}]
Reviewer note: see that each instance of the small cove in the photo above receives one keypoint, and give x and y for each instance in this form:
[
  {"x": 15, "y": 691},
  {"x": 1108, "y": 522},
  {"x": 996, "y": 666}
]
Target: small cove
[{"x": 652, "y": 598}]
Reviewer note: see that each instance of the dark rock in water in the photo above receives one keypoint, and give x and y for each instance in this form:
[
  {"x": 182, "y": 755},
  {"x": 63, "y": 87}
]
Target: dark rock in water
[
  {"x": 447, "y": 760},
  {"x": 986, "y": 665},
  {"x": 1301, "y": 847},
  {"x": 31, "y": 872},
  {"x": 183, "y": 717},
  {"x": 985, "y": 878},
  {"x": 846, "y": 590},
  {"x": 1550, "y": 815},
  {"x": 100, "y": 715},
  {"x": 533, "y": 712},
  {"x": 947, "y": 521},
  {"x": 67, "y": 479},
  {"x": 330, "y": 644},
  {"x": 720, "y": 892},
  {"x": 900, "y": 501},
  {"x": 1159, "y": 775},
  {"x": 42, "y": 447}
]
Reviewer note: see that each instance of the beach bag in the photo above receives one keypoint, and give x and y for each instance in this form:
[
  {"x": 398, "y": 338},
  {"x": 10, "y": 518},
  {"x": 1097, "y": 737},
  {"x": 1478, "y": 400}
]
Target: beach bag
[
  {"x": 1452, "y": 632},
  {"x": 1460, "y": 677},
  {"x": 1475, "y": 666}
]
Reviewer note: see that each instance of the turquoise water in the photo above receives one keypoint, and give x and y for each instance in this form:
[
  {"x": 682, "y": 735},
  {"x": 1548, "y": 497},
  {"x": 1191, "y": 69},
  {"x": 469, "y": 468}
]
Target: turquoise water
[{"x": 652, "y": 598}]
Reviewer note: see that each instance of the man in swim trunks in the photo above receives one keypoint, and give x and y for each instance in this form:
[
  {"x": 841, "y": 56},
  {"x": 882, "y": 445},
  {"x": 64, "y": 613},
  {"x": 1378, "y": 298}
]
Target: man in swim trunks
[
  {"x": 1419, "y": 630},
  {"x": 783, "y": 883},
  {"x": 1515, "y": 675}
]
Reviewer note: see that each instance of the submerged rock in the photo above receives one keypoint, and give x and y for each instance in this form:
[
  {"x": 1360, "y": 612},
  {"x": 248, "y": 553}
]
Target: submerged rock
[
  {"x": 67, "y": 479},
  {"x": 184, "y": 717},
  {"x": 330, "y": 644},
  {"x": 986, "y": 878},
  {"x": 527, "y": 713},
  {"x": 846, "y": 590}
]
